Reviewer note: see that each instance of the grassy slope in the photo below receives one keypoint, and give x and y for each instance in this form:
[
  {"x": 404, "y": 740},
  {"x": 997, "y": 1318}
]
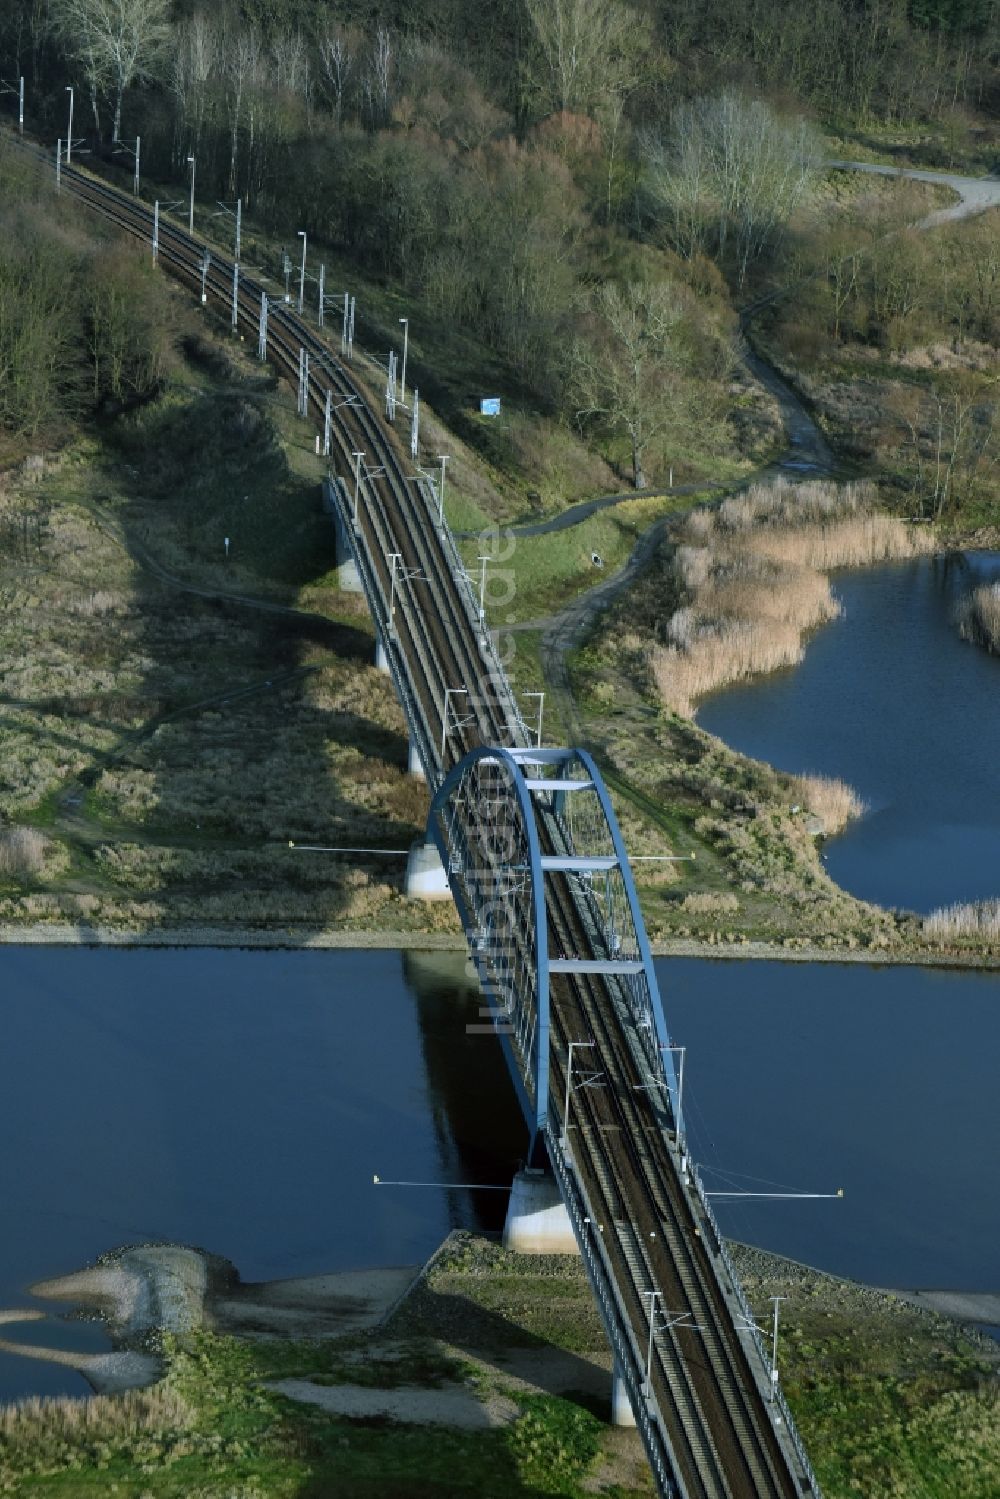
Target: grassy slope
[{"x": 169, "y": 744}]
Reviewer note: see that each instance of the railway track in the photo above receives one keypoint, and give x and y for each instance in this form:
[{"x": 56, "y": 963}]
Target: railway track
[{"x": 715, "y": 1428}]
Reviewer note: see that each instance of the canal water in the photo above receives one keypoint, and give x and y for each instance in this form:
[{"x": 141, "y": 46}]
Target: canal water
[
  {"x": 243, "y": 1102},
  {"x": 891, "y": 699}
]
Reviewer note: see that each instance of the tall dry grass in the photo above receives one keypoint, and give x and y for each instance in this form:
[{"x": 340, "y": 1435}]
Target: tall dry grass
[
  {"x": 978, "y": 616},
  {"x": 979, "y": 919},
  {"x": 752, "y": 578},
  {"x": 42, "y": 1421},
  {"x": 830, "y": 799},
  {"x": 22, "y": 853}
]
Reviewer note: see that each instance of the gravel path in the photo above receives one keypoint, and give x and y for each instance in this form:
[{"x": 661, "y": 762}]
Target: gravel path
[
  {"x": 452, "y": 1406},
  {"x": 975, "y": 194}
]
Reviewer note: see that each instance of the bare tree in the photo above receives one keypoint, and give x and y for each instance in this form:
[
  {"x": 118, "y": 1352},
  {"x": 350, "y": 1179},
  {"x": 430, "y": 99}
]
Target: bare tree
[
  {"x": 588, "y": 50},
  {"x": 626, "y": 374},
  {"x": 243, "y": 64},
  {"x": 193, "y": 64},
  {"x": 378, "y": 82},
  {"x": 952, "y": 432},
  {"x": 337, "y": 58},
  {"x": 731, "y": 175},
  {"x": 292, "y": 72},
  {"x": 118, "y": 42}
]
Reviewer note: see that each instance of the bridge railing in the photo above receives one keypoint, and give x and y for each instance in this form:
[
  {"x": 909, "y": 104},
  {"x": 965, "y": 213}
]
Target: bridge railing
[
  {"x": 775, "y": 1393},
  {"x": 629, "y": 1356},
  {"x": 378, "y": 605}
]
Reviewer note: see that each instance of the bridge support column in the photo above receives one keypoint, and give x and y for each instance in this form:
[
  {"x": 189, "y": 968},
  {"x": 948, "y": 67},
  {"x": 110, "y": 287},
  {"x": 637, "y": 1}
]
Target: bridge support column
[
  {"x": 622, "y": 1413},
  {"x": 425, "y": 877},
  {"x": 414, "y": 764},
  {"x": 346, "y": 569},
  {"x": 537, "y": 1220},
  {"x": 381, "y": 659}
]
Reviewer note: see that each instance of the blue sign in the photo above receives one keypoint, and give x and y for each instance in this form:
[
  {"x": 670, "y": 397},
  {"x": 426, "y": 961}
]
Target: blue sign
[{"x": 489, "y": 406}]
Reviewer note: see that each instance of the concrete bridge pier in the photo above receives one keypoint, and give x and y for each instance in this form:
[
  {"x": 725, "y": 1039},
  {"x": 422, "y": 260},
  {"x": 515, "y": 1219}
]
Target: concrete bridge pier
[
  {"x": 537, "y": 1220},
  {"x": 622, "y": 1413},
  {"x": 414, "y": 764},
  {"x": 381, "y": 659},
  {"x": 348, "y": 578},
  {"x": 426, "y": 877}
]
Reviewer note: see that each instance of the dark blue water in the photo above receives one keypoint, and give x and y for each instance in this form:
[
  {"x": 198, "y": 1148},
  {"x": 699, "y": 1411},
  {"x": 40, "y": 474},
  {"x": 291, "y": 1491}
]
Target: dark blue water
[
  {"x": 880, "y": 1080},
  {"x": 242, "y": 1101},
  {"x": 893, "y": 701}
]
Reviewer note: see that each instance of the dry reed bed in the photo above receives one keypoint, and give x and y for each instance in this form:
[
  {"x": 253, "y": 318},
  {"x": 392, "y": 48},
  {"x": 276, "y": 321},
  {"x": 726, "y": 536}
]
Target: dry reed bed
[
  {"x": 978, "y": 616},
  {"x": 979, "y": 919},
  {"x": 830, "y": 799},
  {"x": 751, "y": 577},
  {"x": 39, "y": 1420},
  {"x": 22, "y": 853}
]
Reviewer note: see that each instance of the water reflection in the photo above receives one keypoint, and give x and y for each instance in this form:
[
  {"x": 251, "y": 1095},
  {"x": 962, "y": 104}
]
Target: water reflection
[{"x": 877, "y": 1079}]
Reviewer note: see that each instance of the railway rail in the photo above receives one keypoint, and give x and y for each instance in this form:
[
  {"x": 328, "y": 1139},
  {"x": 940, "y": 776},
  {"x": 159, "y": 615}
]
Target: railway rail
[{"x": 714, "y": 1423}]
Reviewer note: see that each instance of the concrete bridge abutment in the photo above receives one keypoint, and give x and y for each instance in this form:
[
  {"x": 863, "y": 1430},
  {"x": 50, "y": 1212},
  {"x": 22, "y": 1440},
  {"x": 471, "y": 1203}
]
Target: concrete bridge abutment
[
  {"x": 414, "y": 764},
  {"x": 537, "y": 1220},
  {"x": 426, "y": 877},
  {"x": 538, "y": 1223}
]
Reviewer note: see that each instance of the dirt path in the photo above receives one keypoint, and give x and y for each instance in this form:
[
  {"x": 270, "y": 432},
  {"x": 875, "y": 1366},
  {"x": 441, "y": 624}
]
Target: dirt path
[{"x": 975, "y": 194}]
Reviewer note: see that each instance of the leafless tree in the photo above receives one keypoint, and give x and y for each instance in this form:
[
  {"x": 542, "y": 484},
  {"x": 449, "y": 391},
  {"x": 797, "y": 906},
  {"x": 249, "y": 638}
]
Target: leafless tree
[
  {"x": 625, "y": 373},
  {"x": 588, "y": 50},
  {"x": 337, "y": 60},
  {"x": 118, "y": 42},
  {"x": 378, "y": 82},
  {"x": 243, "y": 65},
  {"x": 290, "y": 60},
  {"x": 731, "y": 175},
  {"x": 952, "y": 432},
  {"x": 194, "y": 61}
]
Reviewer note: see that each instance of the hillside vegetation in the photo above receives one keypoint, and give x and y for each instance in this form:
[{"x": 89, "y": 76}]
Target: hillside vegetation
[{"x": 566, "y": 199}]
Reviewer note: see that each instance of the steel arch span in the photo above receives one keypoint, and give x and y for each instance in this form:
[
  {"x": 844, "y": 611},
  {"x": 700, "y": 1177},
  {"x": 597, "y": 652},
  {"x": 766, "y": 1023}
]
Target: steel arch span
[{"x": 490, "y": 819}]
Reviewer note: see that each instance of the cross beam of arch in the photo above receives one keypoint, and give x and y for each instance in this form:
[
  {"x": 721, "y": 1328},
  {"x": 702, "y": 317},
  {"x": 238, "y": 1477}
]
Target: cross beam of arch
[{"x": 491, "y": 819}]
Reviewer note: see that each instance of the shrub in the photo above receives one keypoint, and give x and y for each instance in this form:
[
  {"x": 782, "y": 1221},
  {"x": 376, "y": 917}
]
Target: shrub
[{"x": 710, "y": 902}]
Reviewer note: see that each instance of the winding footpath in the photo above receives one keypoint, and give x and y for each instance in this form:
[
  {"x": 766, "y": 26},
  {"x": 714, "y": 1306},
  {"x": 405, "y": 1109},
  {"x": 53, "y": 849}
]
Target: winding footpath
[{"x": 975, "y": 194}]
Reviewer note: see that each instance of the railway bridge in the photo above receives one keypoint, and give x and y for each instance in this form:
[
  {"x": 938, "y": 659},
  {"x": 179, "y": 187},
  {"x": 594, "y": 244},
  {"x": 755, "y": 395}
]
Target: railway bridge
[{"x": 535, "y": 861}]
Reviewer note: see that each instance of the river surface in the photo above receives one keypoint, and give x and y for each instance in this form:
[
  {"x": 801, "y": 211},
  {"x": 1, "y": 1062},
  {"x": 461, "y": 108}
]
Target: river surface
[
  {"x": 892, "y": 700},
  {"x": 243, "y": 1101}
]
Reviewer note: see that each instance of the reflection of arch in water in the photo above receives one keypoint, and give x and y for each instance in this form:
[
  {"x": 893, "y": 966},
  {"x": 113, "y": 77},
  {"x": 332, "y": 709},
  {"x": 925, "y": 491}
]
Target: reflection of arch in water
[{"x": 480, "y": 1130}]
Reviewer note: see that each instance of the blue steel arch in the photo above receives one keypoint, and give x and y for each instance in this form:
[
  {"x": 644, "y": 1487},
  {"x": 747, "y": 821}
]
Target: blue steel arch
[
  {"x": 642, "y": 938},
  {"x": 530, "y": 1072}
]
